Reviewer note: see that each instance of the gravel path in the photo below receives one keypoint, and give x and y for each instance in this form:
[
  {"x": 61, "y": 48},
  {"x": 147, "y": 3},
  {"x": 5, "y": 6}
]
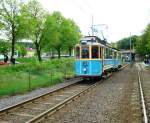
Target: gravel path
[
  {"x": 110, "y": 102},
  {"x": 11, "y": 100}
]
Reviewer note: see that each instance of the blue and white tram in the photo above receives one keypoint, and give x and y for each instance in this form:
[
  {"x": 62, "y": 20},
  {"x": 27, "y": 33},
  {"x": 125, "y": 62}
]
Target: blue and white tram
[{"x": 95, "y": 57}]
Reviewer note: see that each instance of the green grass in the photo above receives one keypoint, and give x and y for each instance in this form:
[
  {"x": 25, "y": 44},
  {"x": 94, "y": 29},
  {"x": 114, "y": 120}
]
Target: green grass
[
  {"x": 30, "y": 75},
  {"x": 148, "y": 68}
]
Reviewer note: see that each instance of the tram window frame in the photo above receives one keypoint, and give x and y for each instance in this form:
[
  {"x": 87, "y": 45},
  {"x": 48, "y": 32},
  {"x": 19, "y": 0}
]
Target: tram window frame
[
  {"x": 100, "y": 52},
  {"x": 77, "y": 52},
  {"x": 86, "y": 56},
  {"x": 110, "y": 54},
  {"x": 119, "y": 55},
  {"x": 94, "y": 55},
  {"x": 104, "y": 52},
  {"x": 115, "y": 54},
  {"x": 107, "y": 53}
]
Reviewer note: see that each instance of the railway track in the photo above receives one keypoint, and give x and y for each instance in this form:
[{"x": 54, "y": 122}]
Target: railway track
[
  {"x": 37, "y": 108},
  {"x": 143, "y": 101},
  {"x": 142, "y": 96}
]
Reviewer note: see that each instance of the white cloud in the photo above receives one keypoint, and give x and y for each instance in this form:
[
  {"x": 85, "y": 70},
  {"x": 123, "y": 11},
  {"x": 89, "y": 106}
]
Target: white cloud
[{"x": 121, "y": 16}]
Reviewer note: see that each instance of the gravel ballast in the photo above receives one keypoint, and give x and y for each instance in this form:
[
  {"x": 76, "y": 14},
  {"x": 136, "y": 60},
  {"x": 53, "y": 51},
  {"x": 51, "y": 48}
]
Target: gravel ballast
[
  {"x": 110, "y": 102},
  {"x": 115, "y": 100}
]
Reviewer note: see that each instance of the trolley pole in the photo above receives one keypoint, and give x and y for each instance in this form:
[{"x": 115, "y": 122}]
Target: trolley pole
[{"x": 92, "y": 27}]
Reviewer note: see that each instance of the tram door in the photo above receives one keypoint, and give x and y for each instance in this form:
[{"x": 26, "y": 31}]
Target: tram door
[{"x": 85, "y": 60}]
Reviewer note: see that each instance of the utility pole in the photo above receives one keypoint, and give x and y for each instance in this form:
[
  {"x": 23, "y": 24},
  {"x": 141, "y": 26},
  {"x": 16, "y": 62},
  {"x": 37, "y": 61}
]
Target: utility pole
[{"x": 130, "y": 49}]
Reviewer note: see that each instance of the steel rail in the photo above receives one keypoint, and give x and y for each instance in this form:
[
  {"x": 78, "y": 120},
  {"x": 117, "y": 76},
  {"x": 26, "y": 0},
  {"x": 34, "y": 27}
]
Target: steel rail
[
  {"x": 4, "y": 110},
  {"x": 53, "y": 109},
  {"x": 123, "y": 66},
  {"x": 145, "y": 117},
  {"x": 60, "y": 105}
]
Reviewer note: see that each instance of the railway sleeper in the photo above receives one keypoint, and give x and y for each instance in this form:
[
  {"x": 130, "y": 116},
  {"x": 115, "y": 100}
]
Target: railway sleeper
[
  {"x": 34, "y": 108},
  {"x": 22, "y": 115}
]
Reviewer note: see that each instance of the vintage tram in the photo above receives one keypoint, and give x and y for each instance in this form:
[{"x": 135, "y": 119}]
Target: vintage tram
[{"x": 95, "y": 57}]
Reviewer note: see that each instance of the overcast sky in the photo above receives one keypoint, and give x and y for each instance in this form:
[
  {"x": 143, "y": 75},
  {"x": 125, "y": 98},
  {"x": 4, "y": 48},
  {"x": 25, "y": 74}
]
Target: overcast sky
[{"x": 121, "y": 16}]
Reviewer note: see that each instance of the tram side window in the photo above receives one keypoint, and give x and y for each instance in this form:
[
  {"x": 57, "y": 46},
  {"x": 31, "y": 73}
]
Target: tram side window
[
  {"x": 101, "y": 52},
  {"x": 115, "y": 55},
  {"x": 119, "y": 55},
  {"x": 85, "y": 52},
  {"x": 95, "y": 52},
  {"x": 77, "y": 52},
  {"x": 107, "y": 53},
  {"x": 110, "y": 54}
]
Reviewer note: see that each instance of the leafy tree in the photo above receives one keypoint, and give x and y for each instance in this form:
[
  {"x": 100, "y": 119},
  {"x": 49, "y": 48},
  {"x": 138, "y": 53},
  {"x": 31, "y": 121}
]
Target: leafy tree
[
  {"x": 21, "y": 50},
  {"x": 114, "y": 45},
  {"x": 125, "y": 42},
  {"x": 35, "y": 19},
  {"x": 60, "y": 33},
  {"x": 52, "y": 32},
  {"x": 143, "y": 44},
  {"x": 4, "y": 46},
  {"x": 10, "y": 21},
  {"x": 70, "y": 34}
]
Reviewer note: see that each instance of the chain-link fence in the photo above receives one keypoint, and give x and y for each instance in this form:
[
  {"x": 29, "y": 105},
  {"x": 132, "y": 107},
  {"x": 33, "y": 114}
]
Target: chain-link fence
[{"x": 30, "y": 78}]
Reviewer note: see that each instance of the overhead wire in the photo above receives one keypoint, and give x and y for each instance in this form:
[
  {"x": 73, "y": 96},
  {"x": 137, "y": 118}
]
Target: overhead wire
[
  {"x": 83, "y": 9},
  {"x": 88, "y": 10}
]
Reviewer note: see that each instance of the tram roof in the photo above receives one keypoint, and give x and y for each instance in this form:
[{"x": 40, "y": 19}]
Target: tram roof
[{"x": 94, "y": 40}]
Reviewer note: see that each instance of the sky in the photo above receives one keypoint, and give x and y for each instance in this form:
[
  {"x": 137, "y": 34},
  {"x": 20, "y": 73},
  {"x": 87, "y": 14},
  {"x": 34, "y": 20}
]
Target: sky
[{"x": 116, "y": 18}]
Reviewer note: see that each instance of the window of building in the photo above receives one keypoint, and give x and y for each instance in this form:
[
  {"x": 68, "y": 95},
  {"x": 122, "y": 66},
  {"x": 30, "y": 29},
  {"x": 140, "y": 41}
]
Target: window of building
[
  {"x": 95, "y": 52},
  {"x": 85, "y": 52},
  {"x": 77, "y": 52}
]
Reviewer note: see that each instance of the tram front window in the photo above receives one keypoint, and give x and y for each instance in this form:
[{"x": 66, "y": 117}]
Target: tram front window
[
  {"x": 94, "y": 52},
  {"x": 77, "y": 52},
  {"x": 85, "y": 52}
]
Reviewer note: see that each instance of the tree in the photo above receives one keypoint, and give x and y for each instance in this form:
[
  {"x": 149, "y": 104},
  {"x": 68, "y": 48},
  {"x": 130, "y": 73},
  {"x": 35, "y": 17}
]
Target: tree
[
  {"x": 60, "y": 33},
  {"x": 10, "y": 21},
  {"x": 35, "y": 16},
  {"x": 4, "y": 46},
  {"x": 21, "y": 50},
  {"x": 125, "y": 42},
  {"x": 52, "y": 34},
  {"x": 114, "y": 45},
  {"x": 143, "y": 44},
  {"x": 70, "y": 34}
]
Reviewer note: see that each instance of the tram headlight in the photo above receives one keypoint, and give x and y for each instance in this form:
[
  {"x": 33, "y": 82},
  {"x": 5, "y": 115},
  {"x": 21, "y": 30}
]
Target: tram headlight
[{"x": 84, "y": 69}]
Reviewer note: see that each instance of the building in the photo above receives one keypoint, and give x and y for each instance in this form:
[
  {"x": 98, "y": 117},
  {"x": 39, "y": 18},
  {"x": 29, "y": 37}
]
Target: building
[{"x": 128, "y": 55}]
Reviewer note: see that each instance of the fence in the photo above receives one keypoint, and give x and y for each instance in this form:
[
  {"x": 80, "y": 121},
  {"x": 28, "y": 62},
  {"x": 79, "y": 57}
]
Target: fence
[{"x": 28, "y": 79}]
